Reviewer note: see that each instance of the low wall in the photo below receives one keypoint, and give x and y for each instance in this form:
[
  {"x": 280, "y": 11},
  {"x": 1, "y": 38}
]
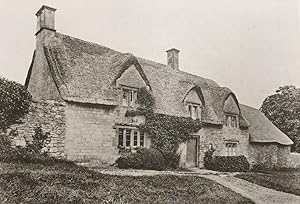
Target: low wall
[{"x": 50, "y": 115}]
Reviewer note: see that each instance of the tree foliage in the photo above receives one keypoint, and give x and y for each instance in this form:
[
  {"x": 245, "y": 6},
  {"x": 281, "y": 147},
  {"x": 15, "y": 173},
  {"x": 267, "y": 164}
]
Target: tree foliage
[
  {"x": 283, "y": 110},
  {"x": 14, "y": 102}
]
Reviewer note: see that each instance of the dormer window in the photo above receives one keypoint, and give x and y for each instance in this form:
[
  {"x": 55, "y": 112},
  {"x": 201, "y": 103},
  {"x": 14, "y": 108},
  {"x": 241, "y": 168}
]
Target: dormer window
[
  {"x": 231, "y": 120},
  {"x": 231, "y": 112},
  {"x": 194, "y": 110},
  {"x": 129, "y": 97}
]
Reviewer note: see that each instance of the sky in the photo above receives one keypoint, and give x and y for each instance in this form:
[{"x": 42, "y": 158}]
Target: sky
[{"x": 250, "y": 46}]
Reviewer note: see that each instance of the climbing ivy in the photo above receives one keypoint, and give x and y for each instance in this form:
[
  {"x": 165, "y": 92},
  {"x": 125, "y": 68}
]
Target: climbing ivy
[{"x": 166, "y": 131}]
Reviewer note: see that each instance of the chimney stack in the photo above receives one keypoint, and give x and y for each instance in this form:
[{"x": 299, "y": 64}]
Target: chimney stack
[
  {"x": 45, "y": 19},
  {"x": 173, "y": 58}
]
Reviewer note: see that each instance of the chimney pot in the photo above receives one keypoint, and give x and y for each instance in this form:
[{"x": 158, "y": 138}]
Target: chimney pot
[
  {"x": 45, "y": 19},
  {"x": 173, "y": 58}
]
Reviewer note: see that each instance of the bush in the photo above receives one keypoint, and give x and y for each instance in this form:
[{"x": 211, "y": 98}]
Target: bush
[
  {"x": 143, "y": 158},
  {"x": 7, "y": 152},
  {"x": 31, "y": 153},
  {"x": 228, "y": 163},
  {"x": 172, "y": 159},
  {"x": 15, "y": 101}
]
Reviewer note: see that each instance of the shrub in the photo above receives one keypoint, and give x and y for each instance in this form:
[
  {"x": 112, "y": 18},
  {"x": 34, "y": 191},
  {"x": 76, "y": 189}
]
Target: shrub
[
  {"x": 31, "y": 153},
  {"x": 15, "y": 101},
  {"x": 7, "y": 152},
  {"x": 38, "y": 141},
  {"x": 208, "y": 159},
  {"x": 143, "y": 158},
  {"x": 228, "y": 163},
  {"x": 172, "y": 159}
]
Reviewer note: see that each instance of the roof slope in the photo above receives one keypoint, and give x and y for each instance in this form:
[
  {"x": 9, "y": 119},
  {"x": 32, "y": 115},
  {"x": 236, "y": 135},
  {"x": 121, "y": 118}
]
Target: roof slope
[
  {"x": 83, "y": 71},
  {"x": 86, "y": 72},
  {"x": 262, "y": 130}
]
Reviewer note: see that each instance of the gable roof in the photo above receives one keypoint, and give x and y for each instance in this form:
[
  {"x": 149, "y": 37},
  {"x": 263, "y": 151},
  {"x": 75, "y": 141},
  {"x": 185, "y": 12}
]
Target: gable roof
[
  {"x": 86, "y": 72},
  {"x": 262, "y": 130}
]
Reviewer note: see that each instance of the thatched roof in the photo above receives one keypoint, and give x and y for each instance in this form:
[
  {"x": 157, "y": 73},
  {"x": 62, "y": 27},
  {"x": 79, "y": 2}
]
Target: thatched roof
[
  {"x": 261, "y": 129},
  {"x": 86, "y": 72}
]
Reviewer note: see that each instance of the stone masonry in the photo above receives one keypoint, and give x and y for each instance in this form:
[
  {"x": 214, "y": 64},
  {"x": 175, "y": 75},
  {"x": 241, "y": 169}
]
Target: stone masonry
[{"x": 50, "y": 115}]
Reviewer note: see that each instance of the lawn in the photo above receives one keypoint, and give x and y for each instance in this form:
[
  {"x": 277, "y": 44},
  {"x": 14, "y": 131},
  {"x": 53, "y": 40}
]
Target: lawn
[
  {"x": 288, "y": 181},
  {"x": 67, "y": 183}
]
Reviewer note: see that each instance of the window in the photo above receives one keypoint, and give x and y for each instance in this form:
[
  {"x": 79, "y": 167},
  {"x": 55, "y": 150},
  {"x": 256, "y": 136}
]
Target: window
[
  {"x": 135, "y": 138},
  {"x": 129, "y": 97},
  {"x": 232, "y": 121},
  {"x": 231, "y": 149},
  {"x": 130, "y": 138},
  {"x": 121, "y": 133},
  {"x": 142, "y": 139},
  {"x": 194, "y": 111}
]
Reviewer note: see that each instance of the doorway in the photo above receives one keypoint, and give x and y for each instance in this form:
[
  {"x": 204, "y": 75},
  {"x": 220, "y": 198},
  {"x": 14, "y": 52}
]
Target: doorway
[{"x": 192, "y": 153}]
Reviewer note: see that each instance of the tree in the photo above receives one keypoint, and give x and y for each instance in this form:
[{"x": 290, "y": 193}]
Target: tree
[
  {"x": 283, "y": 110},
  {"x": 15, "y": 101}
]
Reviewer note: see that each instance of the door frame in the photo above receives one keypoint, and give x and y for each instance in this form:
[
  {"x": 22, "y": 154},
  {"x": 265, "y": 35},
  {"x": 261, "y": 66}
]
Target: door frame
[{"x": 197, "y": 139}]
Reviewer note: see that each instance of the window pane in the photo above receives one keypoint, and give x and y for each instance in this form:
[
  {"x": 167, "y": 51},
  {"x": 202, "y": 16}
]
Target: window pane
[
  {"x": 120, "y": 142},
  {"x": 125, "y": 97},
  {"x": 233, "y": 121},
  {"x": 231, "y": 149},
  {"x": 190, "y": 110},
  {"x": 142, "y": 139},
  {"x": 131, "y": 95},
  {"x": 135, "y": 138},
  {"x": 128, "y": 136},
  {"x": 196, "y": 112},
  {"x": 228, "y": 121}
]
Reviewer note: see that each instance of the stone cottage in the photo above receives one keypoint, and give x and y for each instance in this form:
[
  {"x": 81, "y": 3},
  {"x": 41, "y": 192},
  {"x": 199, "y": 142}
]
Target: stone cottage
[{"x": 89, "y": 88}]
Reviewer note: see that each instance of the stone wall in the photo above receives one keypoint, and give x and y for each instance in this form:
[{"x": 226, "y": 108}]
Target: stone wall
[
  {"x": 50, "y": 115},
  {"x": 41, "y": 84},
  {"x": 218, "y": 138},
  {"x": 90, "y": 133},
  {"x": 269, "y": 154}
]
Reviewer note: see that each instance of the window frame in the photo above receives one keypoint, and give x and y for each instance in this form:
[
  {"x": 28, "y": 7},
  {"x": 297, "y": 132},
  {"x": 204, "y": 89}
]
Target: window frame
[
  {"x": 131, "y": 96},
  {"x": 231, "y": 148},
  {"x": 136, "y": 138},
  {"x": 194, "y": 110},
  {"x": 229, "y": 120}
]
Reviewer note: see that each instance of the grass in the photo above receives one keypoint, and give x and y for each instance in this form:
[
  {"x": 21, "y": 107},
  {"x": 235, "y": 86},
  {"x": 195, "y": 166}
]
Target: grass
[
  {"x": 286, "y": 181},
  {"x": 67, "y": 183}
]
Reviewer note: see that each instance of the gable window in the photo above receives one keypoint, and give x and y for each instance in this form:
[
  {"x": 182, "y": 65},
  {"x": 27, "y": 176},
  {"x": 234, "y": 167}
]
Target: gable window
[
  {"x": 129, "y": 97},
  {"x": 231, "y": 121},
  {"x": 194, "y": 111},
  {"x": 130, "y": 138},
  {"x": 231, "y": 149}
]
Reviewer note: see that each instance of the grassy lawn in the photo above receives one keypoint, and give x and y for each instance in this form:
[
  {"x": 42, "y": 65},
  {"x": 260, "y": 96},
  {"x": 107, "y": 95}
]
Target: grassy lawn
[
  {"x": 66, "y": 183},
  {"x": 282, "y": 181}
]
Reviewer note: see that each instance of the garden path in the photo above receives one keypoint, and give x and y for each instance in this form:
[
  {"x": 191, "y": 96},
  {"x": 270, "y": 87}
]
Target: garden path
[{"x": 256, "y": 193}]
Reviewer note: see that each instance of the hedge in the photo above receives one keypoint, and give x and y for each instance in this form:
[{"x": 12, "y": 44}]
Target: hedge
[
  {"x": 143, "y": 158},
  {"x": 228, "y": 163}
]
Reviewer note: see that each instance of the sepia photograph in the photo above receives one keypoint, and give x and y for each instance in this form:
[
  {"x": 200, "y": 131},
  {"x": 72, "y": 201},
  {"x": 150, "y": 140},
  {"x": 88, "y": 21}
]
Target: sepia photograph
[{"x": 139, "y": 101}]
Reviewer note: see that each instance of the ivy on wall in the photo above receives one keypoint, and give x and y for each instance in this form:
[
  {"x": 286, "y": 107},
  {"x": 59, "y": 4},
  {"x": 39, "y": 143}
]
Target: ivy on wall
[{"x": 166, "y": 132}]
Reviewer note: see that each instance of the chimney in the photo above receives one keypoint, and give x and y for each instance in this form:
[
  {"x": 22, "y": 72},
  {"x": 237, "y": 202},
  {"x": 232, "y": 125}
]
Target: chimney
[
  {"x": 173, "y": 58},
  {"x": 45, "y": 19}
]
